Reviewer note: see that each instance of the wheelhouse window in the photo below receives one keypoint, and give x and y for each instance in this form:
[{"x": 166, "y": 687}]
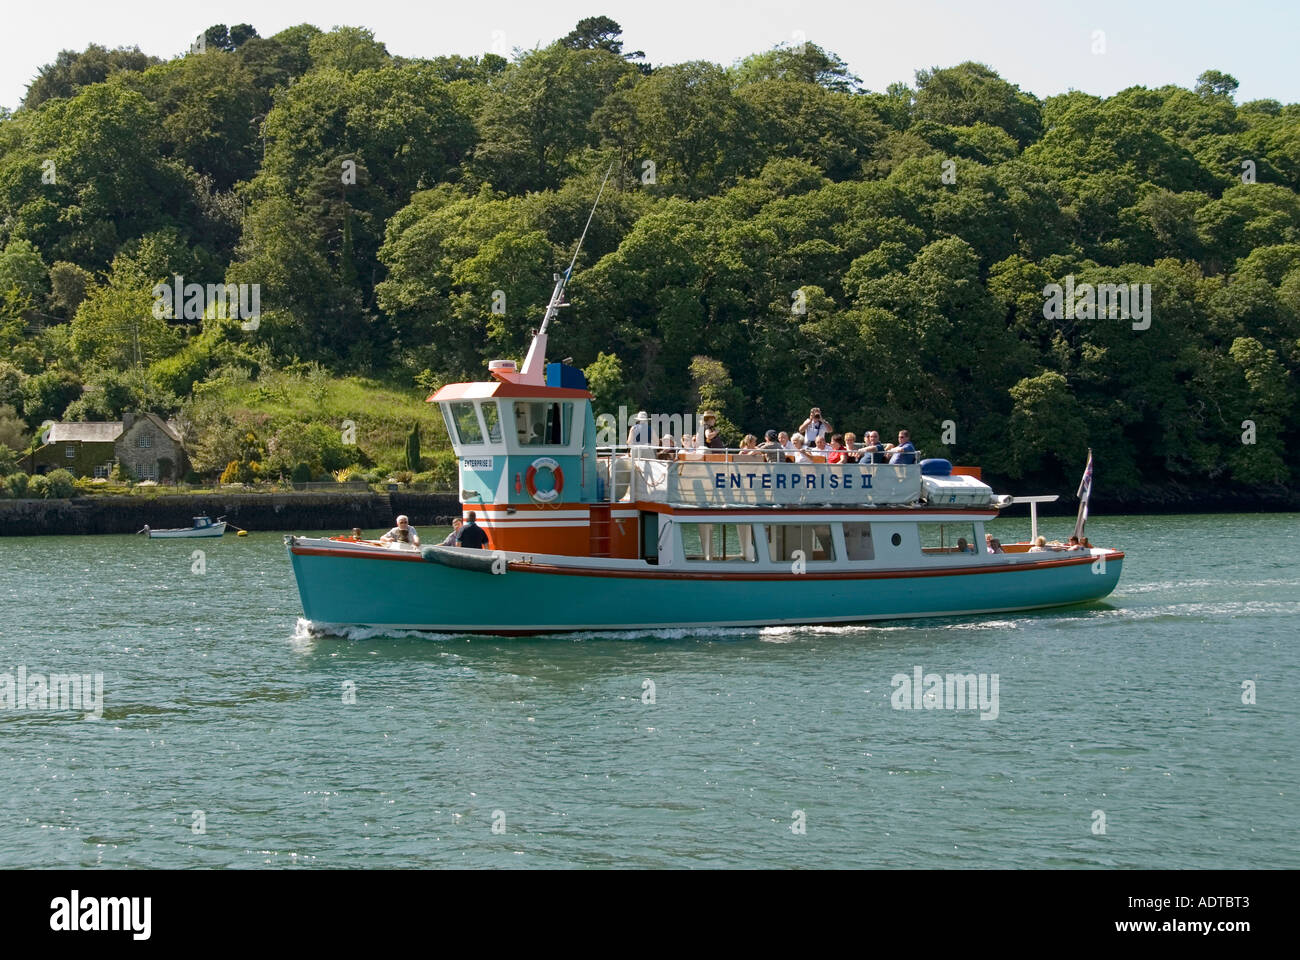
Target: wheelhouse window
[
  {"x": 943, "y": 539},
  {"x": 544, "y": 423},
  {"x": 812, "y": 540},
  {"x": 465, "y": 420},
  {"x": 492, "y": 418},
  {"x": 718, "y": 542},
  {"x": 857, "y": 541}
]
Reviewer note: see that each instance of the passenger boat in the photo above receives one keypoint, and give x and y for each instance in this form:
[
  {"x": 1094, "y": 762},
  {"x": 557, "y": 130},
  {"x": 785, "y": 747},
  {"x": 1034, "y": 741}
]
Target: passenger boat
[
  {"x": 202, "y": 527},
  {"x": 591, "y": 536}
]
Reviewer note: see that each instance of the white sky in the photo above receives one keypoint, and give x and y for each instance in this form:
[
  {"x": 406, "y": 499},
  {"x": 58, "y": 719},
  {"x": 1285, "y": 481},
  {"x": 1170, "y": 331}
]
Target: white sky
[{"x": 1045, "y": 46}]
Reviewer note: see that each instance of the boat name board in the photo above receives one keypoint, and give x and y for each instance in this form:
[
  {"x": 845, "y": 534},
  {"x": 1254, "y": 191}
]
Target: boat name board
[
  {"x": 477, "y": 463},
  {"x": 777, "y": 483}
]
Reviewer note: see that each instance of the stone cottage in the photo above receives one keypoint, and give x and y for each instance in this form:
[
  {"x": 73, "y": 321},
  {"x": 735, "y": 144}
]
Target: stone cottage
[{"x": 148, "y": 446}]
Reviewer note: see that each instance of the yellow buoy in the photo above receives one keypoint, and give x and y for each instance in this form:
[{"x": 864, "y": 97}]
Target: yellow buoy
[{"x": 242, "y": 533}]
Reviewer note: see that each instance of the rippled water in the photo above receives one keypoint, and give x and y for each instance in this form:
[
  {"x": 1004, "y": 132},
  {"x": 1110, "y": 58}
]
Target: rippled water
[{"x": 218, "y": 699}]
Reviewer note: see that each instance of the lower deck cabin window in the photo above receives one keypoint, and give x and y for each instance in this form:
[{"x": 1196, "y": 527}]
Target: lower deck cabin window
[
  {"x": 712, "y": 542},
  {"x": 942, "y": 539},
  {"x": 812, "y": 540},
  {"x": 857, "y": 541}
]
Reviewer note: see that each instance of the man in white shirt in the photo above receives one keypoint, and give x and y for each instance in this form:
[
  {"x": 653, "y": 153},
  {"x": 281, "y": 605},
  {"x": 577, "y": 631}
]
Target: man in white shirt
[{"x": 402, "y": 533}]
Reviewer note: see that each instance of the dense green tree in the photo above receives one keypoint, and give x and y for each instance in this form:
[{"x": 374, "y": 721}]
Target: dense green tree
[
  {"x": 769, "y": 237},
  {"x": 21, "y": 267},
  {"x": 1213, "y": 83},
  {"x": 971, "y": 93},
  {"x": 800, "y": 63},
  {"x": 211, "y": 109},
  {"x": 537, "y": 117},
  {"x": 688, "y": 122},
  {"x": 72, "y": 71},
  {"x": 347, "y": 49}
]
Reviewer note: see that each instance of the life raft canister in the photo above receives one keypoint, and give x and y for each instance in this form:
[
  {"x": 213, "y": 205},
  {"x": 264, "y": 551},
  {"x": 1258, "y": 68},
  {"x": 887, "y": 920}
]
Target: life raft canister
[{"x": 530, "y": 480}]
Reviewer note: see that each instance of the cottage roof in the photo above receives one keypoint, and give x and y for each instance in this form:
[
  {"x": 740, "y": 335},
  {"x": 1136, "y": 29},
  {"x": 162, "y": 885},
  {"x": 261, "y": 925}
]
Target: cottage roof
[
  {"x": 85, "y": 432},
  {"x": 108, "y": 432},
  {"x": 169, "y": 427}
]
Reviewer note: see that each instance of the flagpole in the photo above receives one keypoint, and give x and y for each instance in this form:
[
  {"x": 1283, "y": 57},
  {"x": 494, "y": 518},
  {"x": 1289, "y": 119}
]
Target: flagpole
[{"x": 1084, "y": 491}]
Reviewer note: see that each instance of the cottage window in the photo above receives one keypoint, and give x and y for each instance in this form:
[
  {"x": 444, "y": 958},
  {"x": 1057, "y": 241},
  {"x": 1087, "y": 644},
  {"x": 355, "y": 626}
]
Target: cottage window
[
  {"x": 144, "y": 442},
  {"x": 103, "y": 470},
  {"x": 70, "y": 452}
]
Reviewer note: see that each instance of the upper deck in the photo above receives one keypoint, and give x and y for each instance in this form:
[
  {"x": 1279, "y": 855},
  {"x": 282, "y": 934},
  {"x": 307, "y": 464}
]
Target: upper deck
[{"x": 741, "y": 479}]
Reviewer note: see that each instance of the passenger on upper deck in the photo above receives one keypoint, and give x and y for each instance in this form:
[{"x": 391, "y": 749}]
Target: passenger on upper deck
[
  {"x": 852, "y": 452},
  {"x": 707, "y": 419},
  {"x": 873, "y": 451},
  {"x": 903, "y": 451},
  {"x": 783, "y": 439},
  {"x": 771, "y": 449},
  {"x": 814, "y": 427},
  {"x": 713, "y": 439},
  {"x": 819, "y": 448},
  {"x": 749, "y": 448},
  {"x": 667, "y": 448},
  {"x": 800, "y": 455},
  {"x": 836, "y": 452},
  {"x": 639, "y": 434}
]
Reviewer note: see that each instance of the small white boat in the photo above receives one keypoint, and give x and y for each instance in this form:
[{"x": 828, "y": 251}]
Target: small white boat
[{"x": 203, "y": 527}]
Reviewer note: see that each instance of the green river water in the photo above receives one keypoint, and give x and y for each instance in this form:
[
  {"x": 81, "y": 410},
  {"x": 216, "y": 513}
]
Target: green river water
[{"x": 233, "y": 736}]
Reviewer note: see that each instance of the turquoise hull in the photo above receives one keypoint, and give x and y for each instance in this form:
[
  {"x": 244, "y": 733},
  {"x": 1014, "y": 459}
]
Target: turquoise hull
[{"x": 418, "y": 594}]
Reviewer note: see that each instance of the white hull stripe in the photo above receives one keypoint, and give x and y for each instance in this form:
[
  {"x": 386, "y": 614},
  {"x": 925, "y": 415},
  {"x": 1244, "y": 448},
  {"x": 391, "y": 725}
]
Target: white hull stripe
[{"x": 528, "y": 524}]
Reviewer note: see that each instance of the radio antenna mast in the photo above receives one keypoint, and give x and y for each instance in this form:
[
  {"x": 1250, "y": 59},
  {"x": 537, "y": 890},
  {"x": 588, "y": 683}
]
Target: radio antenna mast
[{"x": 536, "y": 359}]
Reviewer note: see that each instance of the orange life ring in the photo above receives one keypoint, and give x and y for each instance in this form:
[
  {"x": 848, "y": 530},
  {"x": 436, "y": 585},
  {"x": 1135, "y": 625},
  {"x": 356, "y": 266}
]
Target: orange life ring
[{"x": 530, "y": 484}]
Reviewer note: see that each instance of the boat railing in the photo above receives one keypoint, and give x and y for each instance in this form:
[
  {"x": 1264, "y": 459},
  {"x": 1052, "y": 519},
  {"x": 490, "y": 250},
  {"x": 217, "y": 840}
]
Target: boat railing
[
  {"x": 741, "y": 454},
  {"x": 735, "y": 476}
]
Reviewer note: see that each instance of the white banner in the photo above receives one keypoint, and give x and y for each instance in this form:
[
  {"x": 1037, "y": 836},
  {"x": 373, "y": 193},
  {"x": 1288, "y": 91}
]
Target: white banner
[{"x": 753, "y": 482}]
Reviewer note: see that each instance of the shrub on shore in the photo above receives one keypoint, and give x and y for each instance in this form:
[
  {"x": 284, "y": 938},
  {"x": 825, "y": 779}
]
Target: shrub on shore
[
  {"x": 60, "y": 485},
  {"x": 15, "y": 485}
]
